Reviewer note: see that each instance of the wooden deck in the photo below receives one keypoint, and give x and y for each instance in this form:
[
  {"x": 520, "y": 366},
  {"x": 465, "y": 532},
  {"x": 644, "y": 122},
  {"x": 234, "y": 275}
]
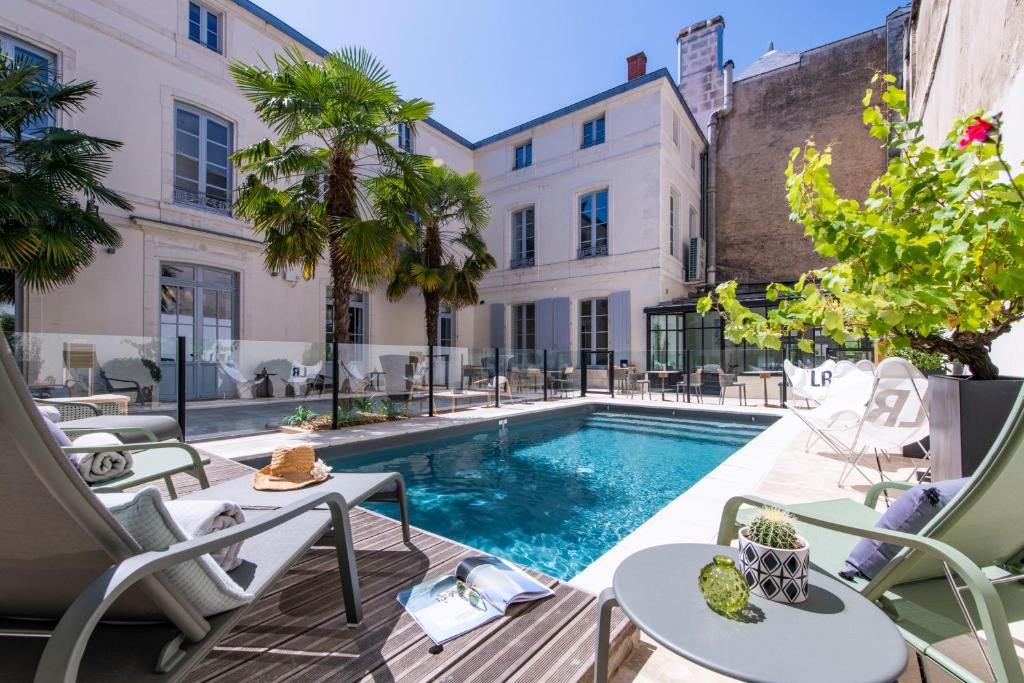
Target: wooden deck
[{"x": 298, "y": 632}]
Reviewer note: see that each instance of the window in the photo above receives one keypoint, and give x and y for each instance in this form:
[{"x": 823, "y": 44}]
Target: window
[
  {"x": 593, "y": 225},
  {"x": 594, "y": 329},
  {"x": 693, "y": 155},
  {"x": 522, "y": 238},
  {"x": 445, "y": 326},
  {"x": 405, "y": 138},
  {"x": 524, "y": 155},
  {"x": 673, "y": 203},
  {"x": 675, "y": 129},
  {"x": 691, "y": 227},
  {"x": 593, "y": 133},
  {"x": 204, "y": 26},
  {"x": 357, "y": 322},
  {"x": 47, "y": 62},
  {"x": 523, "y": 327},
  {"x": 202, "y": 170}
]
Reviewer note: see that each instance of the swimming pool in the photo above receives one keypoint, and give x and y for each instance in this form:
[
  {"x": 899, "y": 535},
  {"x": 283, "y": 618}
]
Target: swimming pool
[{"x": 555, "y": 494}]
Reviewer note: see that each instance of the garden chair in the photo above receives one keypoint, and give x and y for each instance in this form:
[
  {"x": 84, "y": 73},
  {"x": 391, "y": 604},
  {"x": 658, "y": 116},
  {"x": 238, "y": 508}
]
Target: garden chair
[
  {"x": 244, "y": 386},
  {"x": 106, "y": 385},
  {"x": 696, "y": 377},
  {"x": 960, "y": 574},
  {"x": 68, "y": 565},
  {"x": 302, "y": 377},
  {"x": 562, "y": 380},
  {"x": 489, "y": 384},
  {"x": 357, "y": 382},
  {"x": 728, "y": 381},
  {"x": 810, "y": 384}
]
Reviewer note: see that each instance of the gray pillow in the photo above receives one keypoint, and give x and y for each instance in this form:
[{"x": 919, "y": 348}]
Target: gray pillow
[{"x": 909, "y": 514}]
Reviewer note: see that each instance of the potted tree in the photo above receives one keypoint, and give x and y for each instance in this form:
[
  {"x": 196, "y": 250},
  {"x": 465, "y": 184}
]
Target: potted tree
[
  {"x": 932, "y": 260},
  {"x": 774, "y": 559}
]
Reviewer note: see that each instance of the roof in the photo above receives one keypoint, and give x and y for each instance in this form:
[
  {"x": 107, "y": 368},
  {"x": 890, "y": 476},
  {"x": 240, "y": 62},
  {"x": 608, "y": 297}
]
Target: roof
[
  {"x": 769, "y": 61},
  {"x": 307, "y": 42}
]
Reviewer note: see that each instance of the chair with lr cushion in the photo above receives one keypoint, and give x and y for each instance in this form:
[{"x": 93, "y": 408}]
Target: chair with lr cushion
[{"x": 728, "y": 381}]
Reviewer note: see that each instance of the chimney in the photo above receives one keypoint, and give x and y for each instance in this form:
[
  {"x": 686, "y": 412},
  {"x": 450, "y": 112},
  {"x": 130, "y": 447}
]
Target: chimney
[
  {"x": 636, "y": 66},
  {"x": 701, "y": 67}
]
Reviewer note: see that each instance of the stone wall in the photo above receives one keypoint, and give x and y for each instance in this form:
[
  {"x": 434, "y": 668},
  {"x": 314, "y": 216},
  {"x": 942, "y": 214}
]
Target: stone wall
[
  {"x": 820, "y": 97},
  {"x": 700, "y": 67}
]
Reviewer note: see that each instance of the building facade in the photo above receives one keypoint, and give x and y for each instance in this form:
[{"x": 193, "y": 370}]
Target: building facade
[{"x": 593, "y": 205}]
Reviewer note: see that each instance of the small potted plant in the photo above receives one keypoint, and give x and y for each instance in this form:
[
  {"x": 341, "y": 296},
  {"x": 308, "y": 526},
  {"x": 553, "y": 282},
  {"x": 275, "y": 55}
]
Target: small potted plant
[{"x": 773, "y": 558}]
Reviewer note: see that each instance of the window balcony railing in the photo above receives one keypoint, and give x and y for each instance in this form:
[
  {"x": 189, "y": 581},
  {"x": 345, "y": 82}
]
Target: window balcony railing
[
  {"x": 201, "y": 200},
  {"x": 521, "y": 262},
  {"x": 591, "y": 250}
]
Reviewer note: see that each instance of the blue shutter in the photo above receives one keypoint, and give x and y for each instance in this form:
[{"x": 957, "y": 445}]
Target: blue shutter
[
  {"x": 544, "y": 323},
  {"x": 498, "y": 325},
  {"x": 618, "y": 324},
  {"x": 560, "y": 339}
]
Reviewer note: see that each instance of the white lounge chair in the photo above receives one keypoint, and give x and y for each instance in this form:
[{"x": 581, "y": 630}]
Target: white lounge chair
[
  {"x": 302, "y": 377},
  {"x": 243, "y": 385}
]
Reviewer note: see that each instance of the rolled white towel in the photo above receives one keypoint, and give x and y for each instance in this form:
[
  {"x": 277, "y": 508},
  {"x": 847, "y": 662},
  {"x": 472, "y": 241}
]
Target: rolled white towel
[
  {"x": 202, "y": 517},
  {"x": 100, "y": 466}
]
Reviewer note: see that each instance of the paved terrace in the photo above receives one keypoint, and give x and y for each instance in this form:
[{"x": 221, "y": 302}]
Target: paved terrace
[{"x": 774, "y": 465}]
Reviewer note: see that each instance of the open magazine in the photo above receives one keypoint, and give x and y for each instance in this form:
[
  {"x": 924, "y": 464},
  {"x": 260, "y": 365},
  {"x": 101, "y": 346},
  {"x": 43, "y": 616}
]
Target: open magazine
[{"x": 481, "y": 590}]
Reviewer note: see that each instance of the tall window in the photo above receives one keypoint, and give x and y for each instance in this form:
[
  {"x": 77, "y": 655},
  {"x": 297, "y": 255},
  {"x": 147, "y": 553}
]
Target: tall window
[
  {"x": 445, "y": 326},
  {"x": 204, "y": 26},
  {"x": 673, "y": 204},
  {"x": 524, "y": 154},
  {"x": 197, "y": 303},
  {"x": 692, "y": 224},
  {"x": 593, "y": 224},
  {"x": 594, "y": 329},
  {"x": 21, "y": 51},
  {"x": 357, "y": 321},
  {"x": 522, "y": 238},
  {"x": 693, "y": 155},
  {"x": 404, "y": 138},
  {"x": 593, "y": 132},
  {"x": 523, "y": 327},
  {"x": 202, "y": 170},
  {"x": 675, "y": 129}
]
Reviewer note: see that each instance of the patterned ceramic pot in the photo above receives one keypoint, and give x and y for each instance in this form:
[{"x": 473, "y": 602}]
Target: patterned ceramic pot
[{"x": 773, "y": 573}]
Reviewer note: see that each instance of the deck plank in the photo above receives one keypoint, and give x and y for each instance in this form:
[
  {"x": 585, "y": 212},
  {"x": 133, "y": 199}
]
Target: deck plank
[{"x": 297, "y": 631}]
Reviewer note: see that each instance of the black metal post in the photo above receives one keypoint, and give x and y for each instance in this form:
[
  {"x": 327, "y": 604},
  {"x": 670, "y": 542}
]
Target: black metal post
[
  {"x": 583, "y": 373},
  {"x": 497, "y": 386},
  {"x": 611, "y": 373},
  {"x": 545, "y": 374},
  {"x": 447, "y": 358},
  {"x": 181, "y": 384},
  {"x": 785, "y": 355},
  {"x": 430, "y": 380},
  {"x": 686, "y": 369},
  {"x": 335, "y": 372}
]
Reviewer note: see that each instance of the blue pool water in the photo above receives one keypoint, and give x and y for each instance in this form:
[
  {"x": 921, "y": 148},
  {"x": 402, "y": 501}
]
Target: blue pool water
[{"x": 554, "y": 494}]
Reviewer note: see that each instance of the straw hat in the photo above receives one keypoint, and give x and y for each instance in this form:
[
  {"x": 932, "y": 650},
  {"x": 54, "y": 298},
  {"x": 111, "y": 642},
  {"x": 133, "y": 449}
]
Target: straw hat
[{"x": 291, "y": 467}]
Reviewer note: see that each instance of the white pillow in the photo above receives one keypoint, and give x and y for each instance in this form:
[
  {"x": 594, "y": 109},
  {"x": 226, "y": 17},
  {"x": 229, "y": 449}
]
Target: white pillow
[
  {"x": 201, "y": 581},
  {"x": 51, "y": 425}
]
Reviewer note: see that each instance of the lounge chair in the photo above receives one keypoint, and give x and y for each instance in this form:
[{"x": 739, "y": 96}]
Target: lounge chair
[
  {"x": 244, "y": 386},
  {"x": 357, "y": 382},
  {"x": 810, "y": 384},
  {"x": 489, "y": 384},
  {"x": 128, "y": 428},
  {"x": 302, "y": 378},
  {"x": 106, "y": 385},
  {"x": 975, "y": 539},
  {"x": 67, "y": 564}
]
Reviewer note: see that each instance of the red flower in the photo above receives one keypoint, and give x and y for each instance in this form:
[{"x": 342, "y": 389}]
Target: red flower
[{"x": 976, "y": 132}]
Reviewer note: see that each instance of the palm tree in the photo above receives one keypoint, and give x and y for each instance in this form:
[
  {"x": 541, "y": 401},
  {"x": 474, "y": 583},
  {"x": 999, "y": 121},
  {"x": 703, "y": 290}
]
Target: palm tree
[
  {"x": 47, "y": 231},
  {"x": 316, "y": 190},
  {"x": 448, "y": 256}
]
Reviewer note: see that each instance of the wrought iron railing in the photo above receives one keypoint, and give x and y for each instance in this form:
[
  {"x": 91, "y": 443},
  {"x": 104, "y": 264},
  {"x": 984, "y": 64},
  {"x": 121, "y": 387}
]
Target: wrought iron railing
[
  {"x": 588, "y": 250},
  {"x": 521, "y": 262},
  {"x": 202, "y": 200}
]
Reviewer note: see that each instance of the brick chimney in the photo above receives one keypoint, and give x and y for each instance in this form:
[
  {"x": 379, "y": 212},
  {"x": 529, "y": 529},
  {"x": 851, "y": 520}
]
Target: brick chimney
[
  {"x": 700, "y": 67},
  {"x": 636, "y": 66}
]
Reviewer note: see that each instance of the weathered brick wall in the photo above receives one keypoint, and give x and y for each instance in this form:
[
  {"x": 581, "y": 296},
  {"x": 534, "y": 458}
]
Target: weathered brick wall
[
  {"x": 700, "y": 61},
  {"x": 775, "y": 112}
]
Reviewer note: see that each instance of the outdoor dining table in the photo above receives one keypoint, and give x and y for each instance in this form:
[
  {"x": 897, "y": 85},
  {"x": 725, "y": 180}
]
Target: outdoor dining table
[
  {"x": 765, "y": 375},
  {"x": 836, "y": 635},
  {"x": 663, "y": 375}
]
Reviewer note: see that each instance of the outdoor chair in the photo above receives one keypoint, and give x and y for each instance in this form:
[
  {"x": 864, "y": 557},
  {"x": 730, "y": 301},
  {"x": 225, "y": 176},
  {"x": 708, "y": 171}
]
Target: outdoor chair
[
  {"x": 357, "y": 382},
  {"x": 244, "y": 386},
  {"x": 642, "y": 383},
  {"x": 810, "y": 384},
  {"x": 129, "y": 428},
  {"x": 728, "y": 381},
  {"x": 84, "y": 600},
  {"x": 864, "y": 365},
  {"x": 696, "y": 378},
  {"x": 959, "y": 575},
  {"x": 106, "y": 385},
  {"x": 488, "y": 384},
  {"x": 302, "y": 378},
  {"x": 562, "y": 380}
]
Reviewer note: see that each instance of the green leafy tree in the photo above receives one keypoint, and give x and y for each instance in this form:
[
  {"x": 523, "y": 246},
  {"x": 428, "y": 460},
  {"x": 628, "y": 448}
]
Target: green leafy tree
[
  {"x": 316, "y": 191},
  {"x": 447, "y": 256},
  {"x": 933, "y": 259},
  {"x": 51, "y": 181}
]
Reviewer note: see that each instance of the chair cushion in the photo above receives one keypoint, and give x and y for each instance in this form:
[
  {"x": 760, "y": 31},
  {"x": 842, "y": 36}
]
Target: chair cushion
[
  {"x": 909, "y": 514},
  {"x": 201, "y": 581}
]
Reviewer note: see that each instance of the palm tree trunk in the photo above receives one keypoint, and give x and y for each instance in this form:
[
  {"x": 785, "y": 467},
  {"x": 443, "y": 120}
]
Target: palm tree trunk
[
  {"x": 341, "y": 193},
  {"x": 432, "y": 301}
]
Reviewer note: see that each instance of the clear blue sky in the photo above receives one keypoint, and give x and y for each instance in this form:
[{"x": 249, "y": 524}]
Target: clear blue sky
[{"x": 489, "y": 65}]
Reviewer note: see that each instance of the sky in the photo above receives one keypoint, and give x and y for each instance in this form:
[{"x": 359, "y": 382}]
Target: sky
[{"x": 489, "y": 65}]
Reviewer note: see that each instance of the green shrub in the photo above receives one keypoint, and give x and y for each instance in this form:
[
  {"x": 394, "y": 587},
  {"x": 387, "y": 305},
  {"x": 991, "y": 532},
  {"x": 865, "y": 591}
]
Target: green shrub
[
  {"x": 301, "y": 414},
  {"x": 363, "y": 404}
]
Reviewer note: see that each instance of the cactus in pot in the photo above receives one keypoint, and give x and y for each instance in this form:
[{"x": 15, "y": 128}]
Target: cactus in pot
[{"x": 774, "y": 559}]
